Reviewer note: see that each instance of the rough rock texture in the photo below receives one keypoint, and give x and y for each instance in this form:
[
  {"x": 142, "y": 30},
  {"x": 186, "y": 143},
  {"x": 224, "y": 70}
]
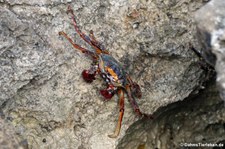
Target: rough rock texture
[
  {"x": 211, "y": 27},
  {"x": 196, "y": 121},
  {"x": 8, "y": 137},
  {"x": 41, "y": 89}
]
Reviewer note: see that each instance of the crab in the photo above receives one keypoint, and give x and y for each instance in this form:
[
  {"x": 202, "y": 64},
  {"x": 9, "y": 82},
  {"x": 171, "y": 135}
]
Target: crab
[{"x": 117, "y": 80}]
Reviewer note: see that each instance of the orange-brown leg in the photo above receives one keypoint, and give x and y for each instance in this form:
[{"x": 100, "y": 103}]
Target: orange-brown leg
[
  {"x": 90, "y": 40},
  {"x": 133, "y": 101},
  {"x": 97, "y": 43},
  {"x": 76, "y": 46},
  {"x": 121, "y": 103},
  {"x": 93, "y": 39},
  {"x": 135, "y": 105},
  {"x": 82, "y": 35}
]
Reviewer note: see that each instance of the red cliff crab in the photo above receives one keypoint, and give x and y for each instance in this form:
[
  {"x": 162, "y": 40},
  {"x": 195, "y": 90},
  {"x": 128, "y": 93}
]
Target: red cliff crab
[{"x": 117, "y": 80}]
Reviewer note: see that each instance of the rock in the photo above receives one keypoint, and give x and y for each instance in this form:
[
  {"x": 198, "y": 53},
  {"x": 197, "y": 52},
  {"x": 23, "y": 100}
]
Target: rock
[
  {"x": 211, "y": 27},
  {"x": 8, "y": 137},
  {"x": 25, "y": 54},
  {"x": 196, "y": 122},
  {"x": 41, "y": 87}
]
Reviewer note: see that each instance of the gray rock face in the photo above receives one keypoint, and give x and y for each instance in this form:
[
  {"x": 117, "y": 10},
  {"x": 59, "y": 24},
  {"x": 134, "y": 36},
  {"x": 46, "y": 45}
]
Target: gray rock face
[
  {"x": 8, "y": 137},
  {"x": 41, "y": 87},
  {"x": 211, "y": 26},
  {"x": 26, "y": 54}
]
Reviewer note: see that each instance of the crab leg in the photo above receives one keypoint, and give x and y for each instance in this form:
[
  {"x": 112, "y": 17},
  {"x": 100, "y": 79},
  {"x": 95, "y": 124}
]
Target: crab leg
[
  {"x": 76, "y": 46},
  {"x": 97, "y": 43},
  {"x": 86, "y": 38},
  {"x": 121, "y": 103},
  {"x": 135, "y": 88},
  {"x": 82, "y": 35},
  {"x": 133, "y": 102},
  {"x": 93, "y": 39}
]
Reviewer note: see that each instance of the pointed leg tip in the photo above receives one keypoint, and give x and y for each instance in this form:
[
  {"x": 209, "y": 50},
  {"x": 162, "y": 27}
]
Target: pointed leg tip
[
  {"x": 60, "y": 33},
  {"x": 113, "y": 136},
  {"x": 69, "y": 9}
]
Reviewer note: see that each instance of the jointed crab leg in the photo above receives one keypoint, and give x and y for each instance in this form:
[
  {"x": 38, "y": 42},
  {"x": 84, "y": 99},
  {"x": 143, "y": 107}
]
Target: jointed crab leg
[
  {"x": 84, "y": 36},
  {"x": 93, "y": 39},
  {"x": 121, "y": 103},
  {"x": 134, "y": 87},
  {"x": 97, "y": 43},
  {"x": 133, "y": 102},
  {"x": 83, "y": 50},
  {"x": 130, "y": 80}
]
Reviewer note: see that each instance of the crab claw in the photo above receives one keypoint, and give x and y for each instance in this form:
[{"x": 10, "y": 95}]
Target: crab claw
[
  {"x": 108, "y": 94},
  {"x": 88, "y": 77}
]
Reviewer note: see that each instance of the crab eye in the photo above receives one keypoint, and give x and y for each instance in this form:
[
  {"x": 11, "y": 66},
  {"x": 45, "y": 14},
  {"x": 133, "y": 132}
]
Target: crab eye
[
  {"x": 88, "y": 77},
  {"x": 108, "y": 94}
]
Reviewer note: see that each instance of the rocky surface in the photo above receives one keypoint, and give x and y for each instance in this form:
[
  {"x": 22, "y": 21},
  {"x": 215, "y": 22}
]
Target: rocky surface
[
  {"x": 197, "y": 122},
  {"x": 41, "y": 88},
  {"x": 211, "y": 27},
  {"x": 8, "y": 137}
]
